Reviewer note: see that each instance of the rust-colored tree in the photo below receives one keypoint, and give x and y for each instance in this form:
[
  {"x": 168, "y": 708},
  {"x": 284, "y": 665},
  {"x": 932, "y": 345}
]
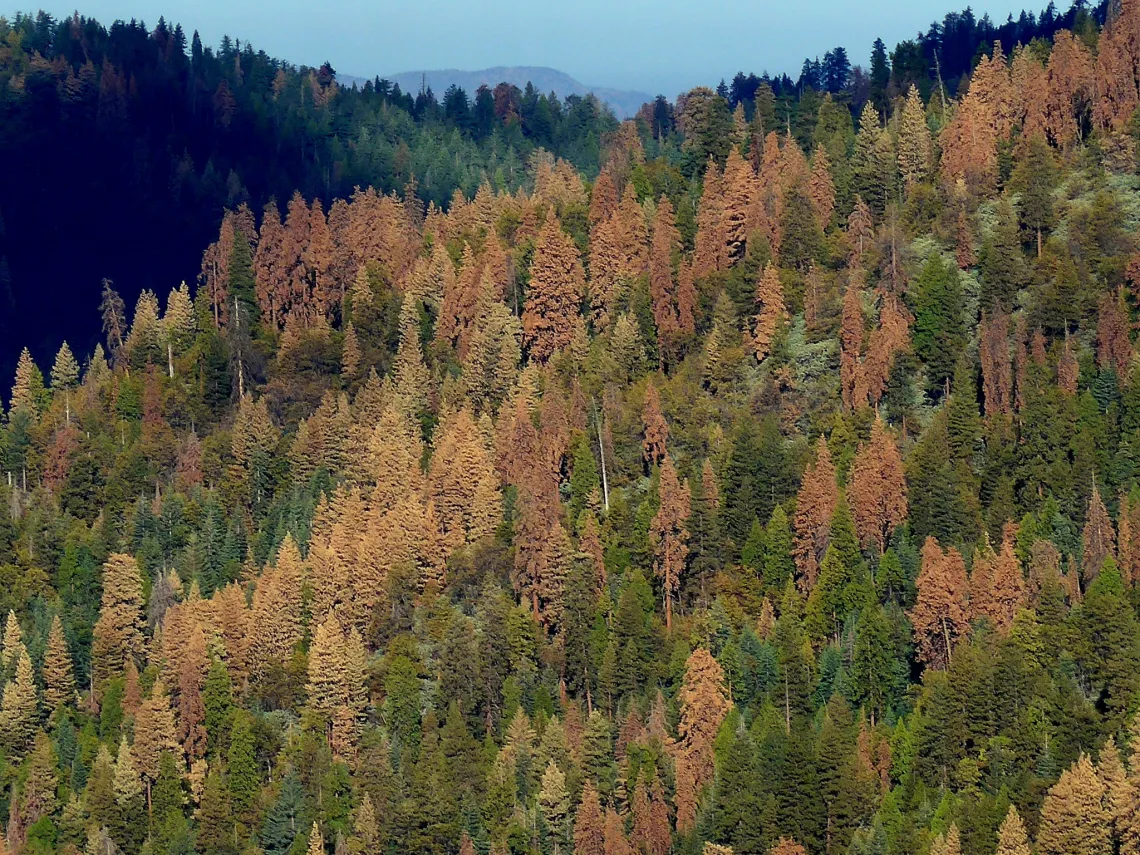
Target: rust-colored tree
[
  {"x": 551, "y": 317},
  {"x": 662, "y": 288},
  {"x": 1098, "y": 540},
  {"x": 851, "y": 337},
  {"x": 811, "y": 524},
  {"x": 770, "y": 312},
  {"x": 878, "y": 491},
  {"x": 997, "y": 369},
  {"x": 704, "y": 702},
  {"x": 656, "y": 428},
  {"x": 669, "y": 534},
  {"x": 821, "y": 188},
  {"x": 1114, "y": 347},
  {"x": 940, "y": 615}
]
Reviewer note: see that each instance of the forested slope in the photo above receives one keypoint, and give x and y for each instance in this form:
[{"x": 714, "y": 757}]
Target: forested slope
[{"x": 771, "y": 489}]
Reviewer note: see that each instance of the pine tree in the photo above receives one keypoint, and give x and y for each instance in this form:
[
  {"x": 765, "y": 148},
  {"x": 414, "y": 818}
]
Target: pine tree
[
  {"x": 709, "y": 254},
  {"x": 65, "y": 373},
  {"x": 704, "y": 702},
  {"x": 615, "y": 841},
  {"x": 1004, "y": 595},
  {"x": 129, "y": 801},
  {"x": 1012, "y": 839},
  {"x": 554, "y": 801},
  {"x": 851, "y": 339},
  {"x": 118, "y": 634},
  {"x": 787, "y": 847},
  {"x": 1119, "y": 790},
  {"x": 771, "y": 312},
  {"x": 59, "y": 679},
  {"x": 28, "y": 388},
  {"x": 821, "y": 188},
  {"x": 192, "y": 676},
  {"x": 812, "y": 521},
  {"x": 13, "y": 645},
  {"x": 351, "y": 353},
  {"x": 656, "y": 428},
  {"x": 19, "y": 710},
  {"x": 1073, "y": 816},
  {"x": 739, "y": 202},
  {"x": 155, "y": 734},
  {"x": 940, "y": 615},
  {"x": 589, "y": 824},
  {"x": 914, "y": 140},
  {"x": 662, "y": 288},
  {"x": 179, "y": 323},
  {"x": 878, "y": 490},
  {"x": 1098, "y": 540},
  {"x": 551, "y": 315},
  {"x": 316, "y": 842},
  {"x": 997, "y": 370},
  {"x": 276, "y": 610},
  {"x": 670, "y": 534}
]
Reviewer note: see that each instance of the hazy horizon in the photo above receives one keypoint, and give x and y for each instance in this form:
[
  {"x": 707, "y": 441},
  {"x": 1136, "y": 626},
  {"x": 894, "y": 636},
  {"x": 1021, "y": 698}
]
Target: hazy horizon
[{"x": 589, "y": 40}]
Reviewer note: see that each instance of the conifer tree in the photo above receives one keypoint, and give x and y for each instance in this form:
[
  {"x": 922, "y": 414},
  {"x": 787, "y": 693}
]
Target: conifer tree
[
  {"x": 739, "y": 196},
  {"x": 589, "y": 824},
  {"x": 13, "y": 644},
  {"x": 670, "y": 534},
  {"x": 19, "y": 710},
  {"x": 812, "y": 521},
  {"x": 1098, "y": 540},
  {"x": 1073, "y": 815},
  {"x": 554, "y": 801},
  {"x": 276, "y": 611},
  {"x": 129, "y": 800},
  {"x": 851, "y": 339},
  {"x": 821, "y": 188},
  {"x": 709, "y": 254},
  {"x": 1004, "y": 595},
  {"x": 940, "y": 615},
  {"x": 770, "y": 311},
  {"x": 1119, "y": 791},
  {"x": 65, "y": 375},
  {"x": 551, "y": 315},
  {"x": 28, "y": 387},
  {"x": 316, "y": 841},
  {"x": 914, "y": 140},
  {"x": 704, "y": 703},
  {"x": 192, "y": 676},
  {"x": 615, "y": 841},
  {"x": 1012, "y": 839},
  {"x": 656, "y": 428},
  {"x": 59, "y": 679},
  {"x": 350, "y": 354},
  {"x": 662, "y": 288},
  {"x": 155, "y": 734},
  {"x": 118, "y": 634},
  {"x": 878, "y": 490},
  {"x": 997, "y": 373},
  {"x": 784, "y": 846}
]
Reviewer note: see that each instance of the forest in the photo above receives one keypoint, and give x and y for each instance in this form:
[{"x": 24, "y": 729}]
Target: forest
[{"x": 755, "y": 476}]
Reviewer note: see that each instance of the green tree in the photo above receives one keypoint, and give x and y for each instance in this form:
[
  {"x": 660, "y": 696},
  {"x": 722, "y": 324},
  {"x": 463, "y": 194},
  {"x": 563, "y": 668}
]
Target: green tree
[{"x": 939, "y": 324}]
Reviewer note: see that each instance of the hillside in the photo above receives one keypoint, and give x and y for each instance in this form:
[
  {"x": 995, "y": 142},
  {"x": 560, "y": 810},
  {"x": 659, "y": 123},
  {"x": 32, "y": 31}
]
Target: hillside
[
  {"x": 754, "y": 476},
  {"x": 624, "y": 103}
]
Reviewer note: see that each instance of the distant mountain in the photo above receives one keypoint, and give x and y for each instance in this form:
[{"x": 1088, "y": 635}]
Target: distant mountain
[{"x": 623, "y": 102}]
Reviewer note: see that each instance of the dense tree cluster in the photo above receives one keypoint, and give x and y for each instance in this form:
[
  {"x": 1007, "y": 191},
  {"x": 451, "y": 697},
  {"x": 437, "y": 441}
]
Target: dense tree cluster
[{"x": 751, "y": 494}]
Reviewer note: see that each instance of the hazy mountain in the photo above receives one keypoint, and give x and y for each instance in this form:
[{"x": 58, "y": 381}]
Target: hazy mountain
[{"x": 624, "y": 102}]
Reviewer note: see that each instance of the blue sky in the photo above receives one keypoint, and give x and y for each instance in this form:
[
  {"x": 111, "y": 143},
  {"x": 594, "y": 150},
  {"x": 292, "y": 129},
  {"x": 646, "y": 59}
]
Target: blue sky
[{"x": 652, "y": 45}]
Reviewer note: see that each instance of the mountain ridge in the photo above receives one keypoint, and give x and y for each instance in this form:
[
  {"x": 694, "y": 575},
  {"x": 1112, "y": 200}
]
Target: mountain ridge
[{"x": 624, "y": 102}]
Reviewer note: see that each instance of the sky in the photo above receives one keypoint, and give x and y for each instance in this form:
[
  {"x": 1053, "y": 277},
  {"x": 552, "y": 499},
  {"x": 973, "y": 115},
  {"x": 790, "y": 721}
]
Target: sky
[{"x": 655, "y": 46}]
